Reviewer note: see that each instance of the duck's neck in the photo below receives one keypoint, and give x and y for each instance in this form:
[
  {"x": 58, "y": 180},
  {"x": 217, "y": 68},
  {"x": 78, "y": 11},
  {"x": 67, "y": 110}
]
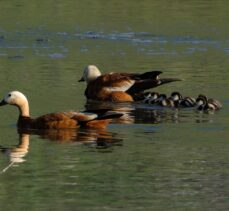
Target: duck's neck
[
  {"x": 24, "y": 109},
  {"x": 91, "y": 79}
]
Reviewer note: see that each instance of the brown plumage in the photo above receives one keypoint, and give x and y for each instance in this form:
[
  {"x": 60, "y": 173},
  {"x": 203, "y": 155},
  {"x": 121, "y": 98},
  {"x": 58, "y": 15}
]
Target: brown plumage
[
  {"x": 48, "y": 121},
  {"x": 60, "y": 120},
  {"x": 119, "y": 87}
]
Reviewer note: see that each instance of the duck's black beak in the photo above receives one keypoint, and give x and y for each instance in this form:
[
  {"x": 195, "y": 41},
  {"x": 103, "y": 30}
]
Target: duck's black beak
[
  {"x": 3, "y": 102},
  {"x": 81, "y": 80}
]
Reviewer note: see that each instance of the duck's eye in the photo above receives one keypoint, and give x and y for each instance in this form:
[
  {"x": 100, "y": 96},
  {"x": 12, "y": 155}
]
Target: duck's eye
[{"x": 9, "y": 95}]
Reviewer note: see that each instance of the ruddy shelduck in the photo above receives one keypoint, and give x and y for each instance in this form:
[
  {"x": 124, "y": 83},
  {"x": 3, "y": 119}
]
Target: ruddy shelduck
[
  {"x": 59, "y": 120},
  {"x": 119, "y": 87}
]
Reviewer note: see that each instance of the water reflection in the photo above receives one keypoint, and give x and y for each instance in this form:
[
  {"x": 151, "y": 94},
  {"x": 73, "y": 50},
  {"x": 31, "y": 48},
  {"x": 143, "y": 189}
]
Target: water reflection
[
  {"x": 89, "y": 137},
  {"x": 126, "y": 108},
  {"x": 100, "y": 139},
  {"x": 16, "y": 154},
  {"x": 139, "y": 113},
  {"x": 79, "y": 136}
]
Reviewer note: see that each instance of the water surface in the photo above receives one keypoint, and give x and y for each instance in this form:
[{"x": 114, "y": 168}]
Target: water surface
[{"x": 154, "y": 159}]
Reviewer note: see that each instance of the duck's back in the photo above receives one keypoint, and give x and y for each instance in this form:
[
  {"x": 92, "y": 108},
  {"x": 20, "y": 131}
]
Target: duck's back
[
  {"x": 60, "y": 120},
  {"x": 105, "y": 85}
]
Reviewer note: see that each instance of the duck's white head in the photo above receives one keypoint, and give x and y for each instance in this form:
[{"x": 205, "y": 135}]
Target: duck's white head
[
  {"x": 91, "y": 72},
  {"x": 18, "y": 99}
]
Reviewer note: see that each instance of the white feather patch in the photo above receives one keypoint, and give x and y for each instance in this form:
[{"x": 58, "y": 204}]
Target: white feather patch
[
  {"x": 122, "y": 88},
  {"x": 86, "y": 116}
]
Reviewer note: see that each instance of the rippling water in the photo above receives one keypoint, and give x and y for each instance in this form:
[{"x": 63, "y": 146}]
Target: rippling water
[{"x": 153, "y": 158}]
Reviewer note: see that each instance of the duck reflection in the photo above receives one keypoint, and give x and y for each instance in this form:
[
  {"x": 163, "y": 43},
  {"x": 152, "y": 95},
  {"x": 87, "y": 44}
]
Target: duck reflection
[
  {"x": 99, "y": 138},
  {"x": 139, "y": 113},
  {"x": 88, "y": 137},
  {"x": 80, "y": 136},
  {"x": 125, "y": 108},
  {"x": 17, "y": 154}
]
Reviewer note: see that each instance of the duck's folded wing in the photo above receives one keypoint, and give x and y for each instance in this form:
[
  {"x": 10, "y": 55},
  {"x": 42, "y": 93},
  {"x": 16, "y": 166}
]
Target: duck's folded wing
[
  {"x": 108, "y": 83},
  {"x": 100, "y": 115},
  {"x": 93, "y": 120},
  {"x": 144, "y": 84},
  {"x": 84, "y": 116},
  {"x": 121, "y": 82},
  {"x": 146, "y": 75},
  {"x": 56, "y": 121},
  {"x": 115, "y": 81},
  {"x": 54, "y": 117}
]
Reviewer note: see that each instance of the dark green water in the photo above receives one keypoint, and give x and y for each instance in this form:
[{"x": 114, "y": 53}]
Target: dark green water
[{"x": 163, "y": 159}]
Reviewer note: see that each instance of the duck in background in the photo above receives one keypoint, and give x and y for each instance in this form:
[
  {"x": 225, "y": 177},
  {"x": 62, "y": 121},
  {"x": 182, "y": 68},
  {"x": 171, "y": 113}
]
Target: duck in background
[
  {"x": 59, "y": 120},
  {"x": 119, "y": 87}
]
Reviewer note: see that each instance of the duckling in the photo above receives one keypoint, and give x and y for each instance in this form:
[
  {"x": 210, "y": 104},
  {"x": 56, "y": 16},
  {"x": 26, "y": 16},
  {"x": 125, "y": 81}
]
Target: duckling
[
  {"x": 152, "y": 98},
  {"x": 140, "y": 96},
  {"x": 167, "y": 103},
  {"x": 60, "y": 120},
  {"x": 119, "y": 87},
  {"x": 176, "y": 98},
  {"x": 201, "y": 101},
  {"x": 182, "y": 102},
  {"x": 162, "y": 100},
  {"x": 216, "y": 103},
  {"x": 205, "y": 104}
]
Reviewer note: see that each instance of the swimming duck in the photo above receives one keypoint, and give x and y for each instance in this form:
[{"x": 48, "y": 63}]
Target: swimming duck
[
  {"x": 60, "y": 120},
  {"x": 119, "y": 87},
  {"x": 180, "y": 101},
  {"x": 205, "y": 104}
]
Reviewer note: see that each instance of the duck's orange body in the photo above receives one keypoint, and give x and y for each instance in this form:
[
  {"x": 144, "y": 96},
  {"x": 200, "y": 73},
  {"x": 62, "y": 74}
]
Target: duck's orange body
[
  {"x": 48, "y": 121},
  {"x": 120, "y": 97},
  {"x": 60, "y": 120},
  {"x": 109, "y": 87},
  {"x": 119, "y": 87}
]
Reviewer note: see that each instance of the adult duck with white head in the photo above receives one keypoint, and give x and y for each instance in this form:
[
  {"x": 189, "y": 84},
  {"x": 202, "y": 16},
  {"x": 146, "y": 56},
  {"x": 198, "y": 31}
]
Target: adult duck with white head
[
  {"x": 58, "y": 120},
  {"x": 119, "y": 87}
]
